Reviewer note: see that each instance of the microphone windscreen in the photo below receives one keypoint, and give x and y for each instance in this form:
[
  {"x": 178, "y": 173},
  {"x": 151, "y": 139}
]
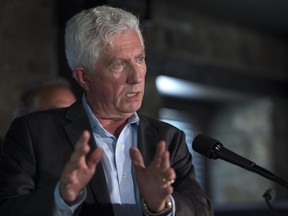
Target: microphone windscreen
[{"x": 204, "y": 145}]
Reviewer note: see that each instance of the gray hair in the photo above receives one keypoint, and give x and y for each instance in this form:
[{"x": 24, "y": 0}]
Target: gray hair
[{"x": 90, "y": 31}]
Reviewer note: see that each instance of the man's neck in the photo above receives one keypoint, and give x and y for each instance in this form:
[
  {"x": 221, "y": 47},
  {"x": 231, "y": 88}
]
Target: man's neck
[{"x": 113, "y": 126}]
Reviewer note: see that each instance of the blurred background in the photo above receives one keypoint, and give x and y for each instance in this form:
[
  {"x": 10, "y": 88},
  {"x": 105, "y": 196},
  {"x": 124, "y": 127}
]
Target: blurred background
[{"x": 216, "y": 67}]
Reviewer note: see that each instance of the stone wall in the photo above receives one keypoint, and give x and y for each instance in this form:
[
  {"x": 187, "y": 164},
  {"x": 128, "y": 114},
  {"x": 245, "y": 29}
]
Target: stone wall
[
  {"x": 178, "y": 31},
  {"x": 245, "y": 128},
  {"x": 255, "y": 128},
  {"x": 28, "y": 50}
]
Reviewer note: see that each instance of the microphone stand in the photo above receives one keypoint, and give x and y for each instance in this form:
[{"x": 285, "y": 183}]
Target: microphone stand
[
  {"x": 269, "y": 175},
  {"x": 219, "y": 151},
  {"x": 268, "y": 197},
  {"x": 213, "y": 149}
]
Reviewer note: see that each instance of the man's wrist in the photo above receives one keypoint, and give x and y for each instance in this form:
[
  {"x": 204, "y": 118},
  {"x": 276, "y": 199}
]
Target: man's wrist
[
  {"x": 168, "y": 209},
  {"x": 62, "y": 207}
]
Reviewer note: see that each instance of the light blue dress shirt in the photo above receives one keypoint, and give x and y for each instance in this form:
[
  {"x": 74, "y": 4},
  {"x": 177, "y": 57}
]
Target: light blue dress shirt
[{"x": 117, "y": 164}]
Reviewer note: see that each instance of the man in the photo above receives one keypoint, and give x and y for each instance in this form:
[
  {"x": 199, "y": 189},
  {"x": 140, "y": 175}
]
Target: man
[
  {"x": 123, "y": 164},
  {"x": 44, "y": 95}
]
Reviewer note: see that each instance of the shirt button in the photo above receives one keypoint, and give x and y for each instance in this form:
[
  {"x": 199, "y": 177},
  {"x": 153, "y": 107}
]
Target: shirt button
[
  {"x": 64, "y": 213},
  {"x": 119, "y": 146},
  {"x": 124, "y": 176}
]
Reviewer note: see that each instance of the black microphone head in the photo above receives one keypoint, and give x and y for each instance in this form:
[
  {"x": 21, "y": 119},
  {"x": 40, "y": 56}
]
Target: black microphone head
[{"x": 205, "y": 145}]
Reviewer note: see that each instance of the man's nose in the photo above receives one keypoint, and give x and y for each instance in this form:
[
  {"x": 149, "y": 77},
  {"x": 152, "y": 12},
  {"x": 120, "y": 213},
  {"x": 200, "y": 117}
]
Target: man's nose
[{"x": 136, "y": 74}]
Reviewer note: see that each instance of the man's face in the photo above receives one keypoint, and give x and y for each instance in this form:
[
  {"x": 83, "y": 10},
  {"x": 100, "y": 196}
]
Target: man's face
[{"x": 116, "y": 88}]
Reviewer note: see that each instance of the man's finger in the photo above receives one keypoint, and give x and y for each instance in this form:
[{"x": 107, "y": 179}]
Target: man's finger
[
  {"x": 136, "y": 157},
  {"x": 95, "y": 158},
  {"x": 165, "y": 161},
  {"x": 81, "y": 147},
  {"x": 161, "y": 147},
  {"x": 84, "y": 138}
]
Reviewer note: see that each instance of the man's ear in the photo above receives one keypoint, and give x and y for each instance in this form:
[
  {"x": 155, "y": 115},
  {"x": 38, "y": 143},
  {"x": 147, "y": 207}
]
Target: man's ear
[{"x": 82, "y": 78}]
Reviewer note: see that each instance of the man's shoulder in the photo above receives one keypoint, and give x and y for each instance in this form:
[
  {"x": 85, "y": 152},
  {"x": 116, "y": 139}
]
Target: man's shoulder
[
  {"x": 70, "y": 112},
  {"x": 51, "y": 113},
  {"x": 156, "y": 123}
]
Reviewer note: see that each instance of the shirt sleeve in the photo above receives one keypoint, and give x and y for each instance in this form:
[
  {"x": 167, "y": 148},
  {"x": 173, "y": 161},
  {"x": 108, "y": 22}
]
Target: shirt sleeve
[{"x": 61, "y": 208}]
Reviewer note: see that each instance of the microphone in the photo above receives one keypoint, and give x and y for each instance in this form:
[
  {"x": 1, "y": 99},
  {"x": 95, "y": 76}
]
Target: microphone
[{"x": 213, "y": 149}]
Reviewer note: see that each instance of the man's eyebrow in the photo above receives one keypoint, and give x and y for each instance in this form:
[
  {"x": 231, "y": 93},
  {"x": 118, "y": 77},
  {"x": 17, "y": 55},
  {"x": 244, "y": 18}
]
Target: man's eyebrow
[{"x": 141, "y": 54}]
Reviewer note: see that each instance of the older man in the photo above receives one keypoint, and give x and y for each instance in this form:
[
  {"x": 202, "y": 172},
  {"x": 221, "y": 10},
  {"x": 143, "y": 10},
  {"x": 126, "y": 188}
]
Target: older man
[{"x": 123, "y": 164}]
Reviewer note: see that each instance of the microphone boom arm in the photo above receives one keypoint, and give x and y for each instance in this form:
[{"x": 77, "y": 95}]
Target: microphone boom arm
[
  {"x": 219, "y": 151},
  {"x": 213, "y": 149}
]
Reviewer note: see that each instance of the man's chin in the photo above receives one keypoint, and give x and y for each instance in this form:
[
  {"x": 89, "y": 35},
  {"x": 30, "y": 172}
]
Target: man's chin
[{"x": 132, "y": 108}]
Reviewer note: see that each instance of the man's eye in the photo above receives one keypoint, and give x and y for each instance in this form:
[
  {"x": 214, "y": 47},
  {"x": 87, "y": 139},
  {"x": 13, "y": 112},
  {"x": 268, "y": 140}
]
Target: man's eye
[
  {"x": 141, "y": 59},
  {"x": 117, "y": 65}
]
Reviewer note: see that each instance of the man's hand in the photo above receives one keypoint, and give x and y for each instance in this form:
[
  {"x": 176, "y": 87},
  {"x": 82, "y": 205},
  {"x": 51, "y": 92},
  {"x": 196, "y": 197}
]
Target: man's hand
[
  {"x": 155, "y": 180},
  {"x": 79, "y": 170}
]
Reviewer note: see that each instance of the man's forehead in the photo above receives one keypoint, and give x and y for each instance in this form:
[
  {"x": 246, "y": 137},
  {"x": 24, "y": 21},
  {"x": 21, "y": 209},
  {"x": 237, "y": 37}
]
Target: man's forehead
[
  {"x": 123, "y": 51},
  {"x": 125, "y": 38}
]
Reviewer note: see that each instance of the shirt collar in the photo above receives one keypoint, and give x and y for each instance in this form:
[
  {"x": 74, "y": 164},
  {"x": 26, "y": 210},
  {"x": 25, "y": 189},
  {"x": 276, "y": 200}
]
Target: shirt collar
[{"x": 133, "y": 119}]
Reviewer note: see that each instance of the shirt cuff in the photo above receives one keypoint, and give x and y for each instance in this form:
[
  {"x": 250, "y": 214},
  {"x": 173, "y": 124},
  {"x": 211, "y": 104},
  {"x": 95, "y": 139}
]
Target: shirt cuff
[{"x": 62, "y": 208}]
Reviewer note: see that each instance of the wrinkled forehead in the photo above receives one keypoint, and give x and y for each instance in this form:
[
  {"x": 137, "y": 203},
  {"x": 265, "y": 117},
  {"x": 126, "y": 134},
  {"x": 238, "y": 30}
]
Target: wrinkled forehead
[{"x": 121, "y": 40}]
